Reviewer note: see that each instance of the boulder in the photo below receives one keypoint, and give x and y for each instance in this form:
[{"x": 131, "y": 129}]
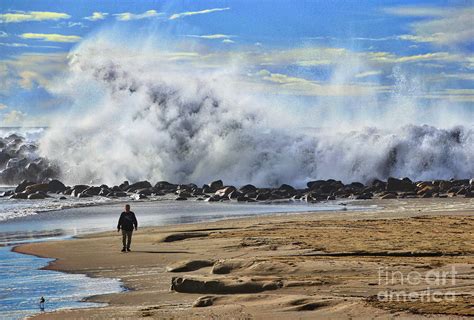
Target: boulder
[
  {"x": 37, "y": 187},
  {"x": 181, "y": 198},
  {"x": 84, "y": 194},
  {"x": 93, "y": 191},
  {"x": 124, "y": 186},
  {"x": 10, "y": 175},
  {"x": 263, "y": 196},
  {"x": 22, "y": 186},
  {"x": 286, "y": 188},
  {"x": 56, "y": 186},
  {"x": 36, "y": 195},
  {"x": 16, "y": 163},
  {"x": 225, "y": 192},
  {"x": 19, "y": 195},
  {"x": 216, "y": 185},
  {"x": 165, "y": 186},
  {"x": 32, "y": 170},
  {"x": 77, "y": 189},
  {"x": 4, "y": 157},
  {"x": 401, "y": 185},
  {"x": 139, "y": 185},
  {"x": 315, "y": 184},
  {"x": 389, "y": 196},
  {"x": 248, "y": 188}
]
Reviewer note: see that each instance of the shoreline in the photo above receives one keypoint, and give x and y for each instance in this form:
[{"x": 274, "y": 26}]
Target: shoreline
[{"x": 132, "y": 303}]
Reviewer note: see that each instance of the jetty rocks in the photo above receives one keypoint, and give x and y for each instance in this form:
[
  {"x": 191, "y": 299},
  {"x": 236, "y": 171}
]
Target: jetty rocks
[
  {"x": 19, "y": 161},
  {"x": 217, "y": 191}
]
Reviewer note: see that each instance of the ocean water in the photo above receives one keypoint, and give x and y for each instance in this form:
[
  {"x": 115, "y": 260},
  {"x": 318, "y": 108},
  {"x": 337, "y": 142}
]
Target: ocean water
[{"x": 23, "y": 284}]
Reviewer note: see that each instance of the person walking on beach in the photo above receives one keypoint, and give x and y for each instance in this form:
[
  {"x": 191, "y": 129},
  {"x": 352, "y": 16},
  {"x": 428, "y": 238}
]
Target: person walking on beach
[
  {"x": 41, "y": 304},
  {"x": 127, "y": 223}
]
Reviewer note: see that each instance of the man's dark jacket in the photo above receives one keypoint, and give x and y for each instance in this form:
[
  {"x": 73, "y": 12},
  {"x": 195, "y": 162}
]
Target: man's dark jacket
[{"x": 127, "y": 221}]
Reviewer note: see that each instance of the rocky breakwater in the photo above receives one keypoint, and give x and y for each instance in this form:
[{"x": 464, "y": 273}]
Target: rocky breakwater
[
  {"x": 19, "y": 161},
  {"x": 315, "y": 191}
]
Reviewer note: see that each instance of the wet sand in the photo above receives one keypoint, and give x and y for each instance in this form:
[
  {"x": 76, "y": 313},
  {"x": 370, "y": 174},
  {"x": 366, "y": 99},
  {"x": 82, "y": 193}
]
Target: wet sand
[{"x": 301, "y": 266}]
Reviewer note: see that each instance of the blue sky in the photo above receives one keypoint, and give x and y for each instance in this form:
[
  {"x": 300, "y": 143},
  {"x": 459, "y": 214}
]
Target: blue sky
[{"x": 293, "y": 48}]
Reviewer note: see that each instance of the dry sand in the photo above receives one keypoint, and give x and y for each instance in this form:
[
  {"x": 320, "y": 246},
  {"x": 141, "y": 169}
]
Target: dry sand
[{"x": 300, "y": 266}]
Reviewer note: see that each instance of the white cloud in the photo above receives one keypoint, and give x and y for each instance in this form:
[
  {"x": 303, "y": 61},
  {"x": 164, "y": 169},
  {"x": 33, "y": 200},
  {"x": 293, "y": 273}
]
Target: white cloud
[
  {"x": 283, "y": 84},
  {"x": 13, "y": 44},
  {"x": 14, "y": 117},
  {"x": 416, "y": 11},
  {"x": 228, "y": 41},
  {"x": 368, "y": 74},
  {"x": 3, "y": 34},
  {"x": 211, "y": 36},
  {"x": 51, "y": 37},
  {"x": 127, "y": 16},
  {"x": 22, "y": 16},
  {"x": 442, "y": 26},
  {"x": 96, "y": 16},
  {"x": 3, "y": 106},
  {"x": 192, "y": 13}
]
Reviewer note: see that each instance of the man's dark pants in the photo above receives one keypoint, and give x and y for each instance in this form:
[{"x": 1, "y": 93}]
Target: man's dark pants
[{"x": 126, "y": 238}]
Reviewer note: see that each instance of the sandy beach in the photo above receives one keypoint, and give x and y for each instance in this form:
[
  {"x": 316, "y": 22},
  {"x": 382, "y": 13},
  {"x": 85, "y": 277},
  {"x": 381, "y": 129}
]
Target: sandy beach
[{"x": 343, "y": 265}]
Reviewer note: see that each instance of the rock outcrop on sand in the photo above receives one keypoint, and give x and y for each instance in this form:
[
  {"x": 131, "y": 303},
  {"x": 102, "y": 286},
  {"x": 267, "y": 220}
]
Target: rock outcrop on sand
[
  {"x": 317, "y": 190},
  {"x": 222, "y": 286}
]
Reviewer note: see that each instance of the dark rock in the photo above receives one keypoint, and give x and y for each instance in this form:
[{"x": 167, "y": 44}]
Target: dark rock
[
  {"x": 56, "y": 186},
  {"x": 139, "y": 185},
  {"x": 77, "y": 189},
  {"x": 4, "y": 157},
  {"x": 235, "y": 194},
  {"x": 389, "y": 196},
  {"x": 22, "y": 186},
  {"x": 207, "y": 189},
  {"x": 181, "y": 198},
  {"x": 84, "y": 194},
  {"x": 165, "y": 186},
  {"x": 7, "y": 193},
  {"x": 365, "y": 196},
  {"x": 356, "y": 185},
  {"x": 216, "y": 185},
  {"x": 124, "y": 186},
  {"x": 315, "y": 184},
  {"x": 286, "y": 188},
  {"x": 10, "y": 175},
  {"x": 62, "y": 198},
  {"x": 37, "y": 187},
  {"x": 213, "y": 198},
  {"x": 36, "y": 195},
  {"x": 120, "y": 194},
  {"x": 16, "y": 163},
  {"x": 225, "y": 192},
  {"x": 403, "y": 185},
  {"x": 19, "y": 195},
  {"x": 263, "y": 196},
  {"x": 145, "y": 191},
  {"x": 248, "y": 188}
]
